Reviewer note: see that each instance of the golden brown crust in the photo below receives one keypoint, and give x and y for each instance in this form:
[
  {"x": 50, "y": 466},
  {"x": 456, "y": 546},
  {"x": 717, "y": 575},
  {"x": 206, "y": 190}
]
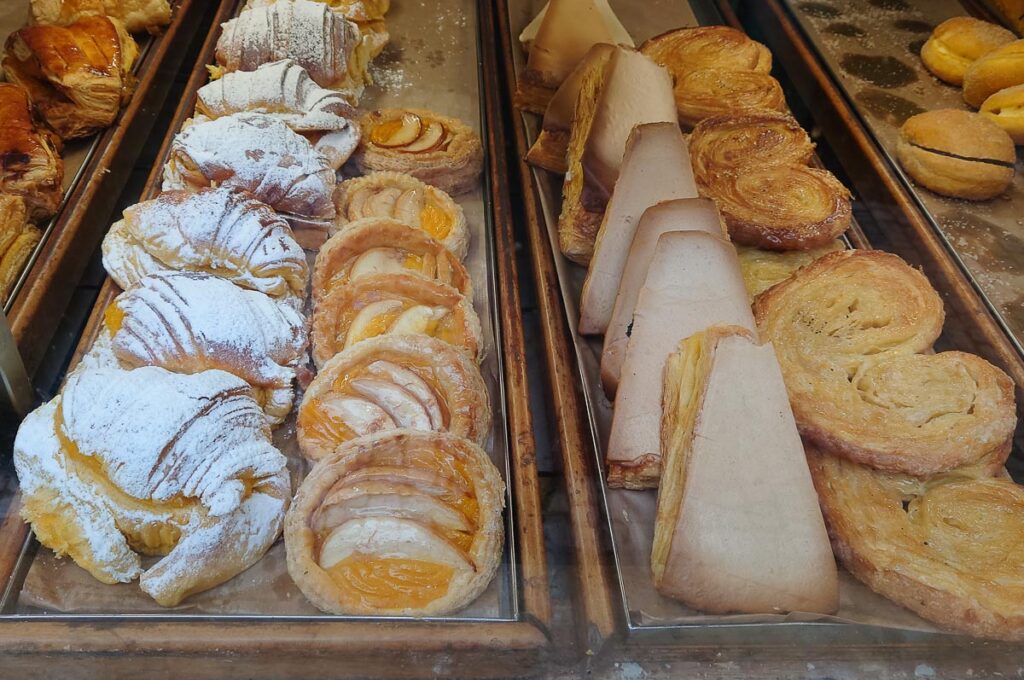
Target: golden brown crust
[
  {"x": 549, "y": 151},
  {"x": 703, "y": 93},
  {"x": 1006, "y": 109},
  {"x": 728, "y": 143},
  {"x": 997, "y": 70},
  {"x": 30, "y": 162},
  {"x": 531, "y": 94},
  {"x": 687, "y": 49},
  {"x": 956, "y": 43},
  {"x": 136, "y": 15},
  {"x": 645, "y": 474}
]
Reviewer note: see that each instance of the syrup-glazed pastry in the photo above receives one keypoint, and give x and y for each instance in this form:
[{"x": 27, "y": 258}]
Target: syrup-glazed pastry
[
  {"x": 222, "y": 231},
  {"x": 402, "y": 523},
  {"x": 136, "y": 15},
  {"x": 189, "y": 322},
  {"x": 762, "y": 269},
  {"x": 404, "y": 198},
  {"x": 730, "y": 143},
  {"x": 710, "y": 92},
  {"x": 32, "y": 167},
  {"x": 396, "y": 304},
  {"x": 688, "y": 49},
  {"x": 393, "y": 381},
  {"x": 441, "y": 151},
  {"x": 147, "y": 462},
  {"x": 851, "y": 330}
]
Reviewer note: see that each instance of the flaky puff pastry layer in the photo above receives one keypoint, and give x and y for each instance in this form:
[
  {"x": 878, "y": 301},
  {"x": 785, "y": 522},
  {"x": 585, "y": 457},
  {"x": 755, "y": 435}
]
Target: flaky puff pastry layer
[
  {"x": 137, "y": 15},
  {"x": 947, "y": 548},
  {"x": 403, "y": 523},
  {"x": 32, "y": 169},
  {"x": 762, "y": 269},
  {"x": 688, "y": 49},
  {"x": 851, "y": 331},
  {"x": 729, "y": 143},
  {"x": 710, "y": 92}
]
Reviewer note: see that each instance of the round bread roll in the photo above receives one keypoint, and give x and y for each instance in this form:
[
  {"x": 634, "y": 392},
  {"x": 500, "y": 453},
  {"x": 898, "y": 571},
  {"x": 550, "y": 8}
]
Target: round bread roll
[
  {"x": 956, "y": 43},
  {"x": 957, "y": 153},
  {"x": 995, "y": 71},
  {"x": 1006, "y": 109}
]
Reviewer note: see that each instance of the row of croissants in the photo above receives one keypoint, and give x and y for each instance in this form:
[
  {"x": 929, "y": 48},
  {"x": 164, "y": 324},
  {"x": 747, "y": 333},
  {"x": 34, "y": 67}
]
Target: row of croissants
[{"x": 162, "y": 440}]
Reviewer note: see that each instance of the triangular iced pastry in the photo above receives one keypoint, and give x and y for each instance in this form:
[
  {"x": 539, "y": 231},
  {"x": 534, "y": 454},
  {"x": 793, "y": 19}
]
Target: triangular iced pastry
[
  {"x": 629, "y": 91},
  {"x": 655, "y": 168},
  {"x": 694, "y": 282},
  {"x": 622, "y": 37},
  {"x": 738, "y": 527},
  {"x": 565, "y": 30}
]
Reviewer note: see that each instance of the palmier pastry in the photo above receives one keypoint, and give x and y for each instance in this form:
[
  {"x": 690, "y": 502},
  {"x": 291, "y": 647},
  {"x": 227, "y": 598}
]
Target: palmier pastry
[
  {"x": 223, "y": 231},
  {"x": 956, "y": 43},
  {"x": 395, "y": 304},
  {"x": 688, "y": 49},
  {"x": 17, "y": 241},
  {"x": 999, "y": 69},
  {"x": 947, "y": 548},
  {"x": 378, "y": 246},
  {"x": 762, "y": 269},
  {"x": 730, "y": 143},
  {"x": 1006, "y": 109},
  {"x": 393, "y": 381},
  {"x": 850, "y": 331},
  {"x": 147, "y": 462},
  {"x": 78, "y": 76},
  {"x": 188, "y": 322},
  {"x": 957, "y": 153},
  {"x": 438, "y": 150},
  {"x": 136, "y": 15},
  {"x": 32, "y": 167},
  {"x": 403, "y": 523},
  {"x": 710, "y": 92},
  {"x": 404, "y": 198}
]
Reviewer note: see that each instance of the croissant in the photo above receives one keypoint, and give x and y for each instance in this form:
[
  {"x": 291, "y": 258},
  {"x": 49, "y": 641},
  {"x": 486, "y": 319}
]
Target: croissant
[
  {"x": 32, "y": 167},
  {"x": 136, "y": 15},
  {"x": 222, "y": 231},
  {"x": 17, "y": 241},
  {"x": 188, "y": 322},
  {"x": 77, "y": 76},
  {"x": 123, "y": 463},
  {"x": 368, "y": 15}
]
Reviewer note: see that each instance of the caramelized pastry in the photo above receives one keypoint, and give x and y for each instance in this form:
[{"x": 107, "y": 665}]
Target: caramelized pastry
[
  {"x": 851, "y": 330},
  {"x": 31, "y": 166},
  {"x": 17, "y": 241},
  {"x": 136, "y": 15},
  {"x": 999, "y": 69},
  {"x": 395, "y": 304},
  {"x": 77, "y": 76},
  {"x": 957, "y": 43},
  {"x": 438, "y": 150},
  {"x": 393, "y": 381},
  {"x": 1006, "y": 109},
  {"x": 402, "y": 523},
  {"x": 710, "y": 92},
  {"x": 762, "y": 269},
  {"x": 731, "y": 143},
  {"x": 147, "y": 462},
  {"x": 689, "y": 49}
]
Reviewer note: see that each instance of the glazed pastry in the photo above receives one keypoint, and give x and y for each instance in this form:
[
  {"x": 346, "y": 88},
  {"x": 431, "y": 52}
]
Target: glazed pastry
[
  {"x": 394, "y": 304},
  {"x": 732, "y": 143},
  {"x": 392, "y": 195},
  {"x": 1006, "y": 109},
  {"x": 403, "y": 523},
  {"x": 77, "y": 76},
  {"x": 377, "y": 246},
  {"x": 999, "y": 69},
  {"x": 136, "y": 15},
  {"x": 32, "y": 168},
  {"x": 189, "y": 322},
  {"x": 762, "y": 269},
  {"x": 957, "y": 153},
  {"x": 146, "y": 462},
  {"x": 393, "y": 381},
  {"x": 17, "y": 241},
  {"x": 283, "y": 89},
  {"x": 851, "y": 331},
  {"x": 223, "y": 231},
  {"x": 688, "y": 49},
  {"x": 957, "y": 43},
  {"x": 438, "y": 150},
  {"x": 710, "y": 92},
  {"x": 945, "y": 547}
]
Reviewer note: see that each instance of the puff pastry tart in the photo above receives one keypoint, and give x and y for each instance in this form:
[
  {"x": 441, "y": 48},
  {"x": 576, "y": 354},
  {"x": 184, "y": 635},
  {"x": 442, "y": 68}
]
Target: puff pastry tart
[
  {"x": 147, "y": 462},
  {"x": 729, "y": 143},
  {"x": 32, "y": 167},
  {"x": 850, "y": 330},
  {"x": 709, "y": 92},
  {"x": 389, "y": 382},
  {"x": 403, "y": 523},
  {"x": 689, "y": 49},
  {"x": 379, "y": 246},
  {"x": 223, "y": 231},
  {"x": 441, "y": 151},
  {"x": 78, "y": 76},
  {"x": 189, "y": 322},
  {"x": 136, "y": 15},
  {"x": 406, "y": 199},
  {"x": 395, "y": 304},
  {"x": 947, "y": 548}
]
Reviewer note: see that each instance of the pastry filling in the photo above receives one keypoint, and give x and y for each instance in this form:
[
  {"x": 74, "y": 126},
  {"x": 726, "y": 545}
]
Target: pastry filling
[
  {"x": 412, "y": 134},
  {"x": 398, "y": 315},
  {"x": 410, "y": 206},
  {"x": 390, "y": 583},
  {"x": 395, "y": 260}
]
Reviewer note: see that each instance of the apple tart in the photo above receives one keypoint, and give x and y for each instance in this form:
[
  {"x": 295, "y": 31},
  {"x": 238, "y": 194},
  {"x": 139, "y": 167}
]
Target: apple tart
[
  {"x": 721, "y": 47},
  {"x": 730, "y": 143},
  {"x": 852, "y": 331},
  {"x": 395, "y": 304},
  {"x": 710, "y": 92},
  {"x": 404, "y": 198},
  {"x": 403, "y": 523},
  {"x": 436, "y": 149},
  {"x": 393, "y": 381}
]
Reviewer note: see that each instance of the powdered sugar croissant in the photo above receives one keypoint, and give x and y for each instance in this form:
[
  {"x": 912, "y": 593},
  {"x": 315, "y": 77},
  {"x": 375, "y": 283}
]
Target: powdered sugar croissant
[{"x": 149, "y": 462}]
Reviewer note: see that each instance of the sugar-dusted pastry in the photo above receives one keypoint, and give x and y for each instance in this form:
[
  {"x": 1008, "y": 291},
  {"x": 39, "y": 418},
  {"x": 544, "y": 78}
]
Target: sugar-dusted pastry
[
  {"x": 393, "y": 381},
  {"x": 688, "y": 49},
  {"x": 999, "y": 69},
  {"x": 189, "y": 322},
  {"x": 404, "y": 198},
  {"x": 368, "y": 16},
  {"x": 147, "y": 462},
  {"x": 393, "y": 304},
  {"x": 378, "y": 246},
  {"x": 78, "y": 76},
  {"x": 17, "y": 241},
  {"x": 32, "y": 168},
  {"x": 225, "y": 232},
  {"x": 851, "y": 331},
  {"x": 136, "y": 15},
  {"x": 957, "y": 43},
  {"x": 947, "y": 547},
  {"x": 1005, "y": 108},
  {"x": 730, "y": 143},
  {"x": 762, "y": 269},
  {"x": 403, "y": 523},
  {"x": 710, "y": 92},
  {"x": 441, "y": 151}
]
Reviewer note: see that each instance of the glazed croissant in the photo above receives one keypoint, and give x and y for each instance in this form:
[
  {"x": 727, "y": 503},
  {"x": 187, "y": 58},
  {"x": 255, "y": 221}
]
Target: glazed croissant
[
  {"x": 136, "y": 15},
  {"x": 32, "y": 167},
  {"x": 146, "y": 462},
  {"x": 222, "y": 231},
  {"x": 78, "y": 76}
]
